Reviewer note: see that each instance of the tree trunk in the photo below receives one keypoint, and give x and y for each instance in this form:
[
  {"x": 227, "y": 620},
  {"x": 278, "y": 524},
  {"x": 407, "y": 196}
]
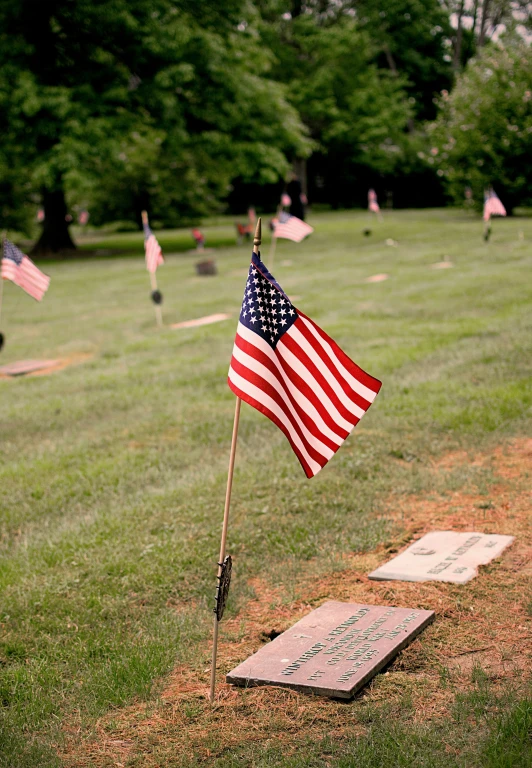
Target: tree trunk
[
  {"x": 390, "y": 59},
  {"x": 483, "y": 23},
  {"x": 300, "y": 170},
  {"x": 297, "y": 8},
  {"x": 55, "y": 235},
  {"x": 475, "y": 15},
  {"x": 393, "y": 68},
  {"x": 458, "y": 42}
]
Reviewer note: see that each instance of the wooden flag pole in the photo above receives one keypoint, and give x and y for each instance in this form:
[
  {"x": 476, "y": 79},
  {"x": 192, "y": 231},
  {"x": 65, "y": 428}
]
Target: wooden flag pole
[
  {"x": 4, "y": 235},
  {"x": 224, "y": 537},
  {"x": 158, "y": 308},
  {"x": 153, "y": 281},
  {"x": 256, "y": 246}
]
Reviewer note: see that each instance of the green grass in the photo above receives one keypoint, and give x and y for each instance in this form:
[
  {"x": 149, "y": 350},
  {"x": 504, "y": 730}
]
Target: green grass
[
  {"x": 112, "y": 472},
  {"x": 486, "y": 739}
]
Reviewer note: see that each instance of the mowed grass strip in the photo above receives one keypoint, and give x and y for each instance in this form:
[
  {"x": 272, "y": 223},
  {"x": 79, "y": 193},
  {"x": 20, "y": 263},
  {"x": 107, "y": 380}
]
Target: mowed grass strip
[
  {"x": 113, "y": 471},
  {"x": 441, "y": 701}
]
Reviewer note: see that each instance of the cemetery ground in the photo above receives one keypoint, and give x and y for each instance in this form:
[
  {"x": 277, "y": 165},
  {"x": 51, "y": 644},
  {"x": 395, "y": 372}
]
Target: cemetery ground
[{"x": 112, "y": 481}]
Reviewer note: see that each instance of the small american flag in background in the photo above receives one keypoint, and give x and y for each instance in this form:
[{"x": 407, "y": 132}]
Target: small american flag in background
[
  {"x": 21, "y": 270},
  {"x": 292, "y": 228},
  {"x": 492, "y": 206},
  {"x": 287, "y": 368},
  {"x": 372, "y": 201},
  {"x": 154, "y": 256}
]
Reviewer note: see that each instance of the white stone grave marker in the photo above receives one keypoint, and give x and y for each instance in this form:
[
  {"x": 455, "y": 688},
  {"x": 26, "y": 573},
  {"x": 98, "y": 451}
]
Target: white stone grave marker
[{"x": 443, "y": 556}]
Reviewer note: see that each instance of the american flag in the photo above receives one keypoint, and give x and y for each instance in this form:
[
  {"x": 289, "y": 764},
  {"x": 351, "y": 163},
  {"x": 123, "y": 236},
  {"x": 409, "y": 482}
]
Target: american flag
[
  {"x": 492, "y": 206},
  {"x": 372, "y": 201},
  {"x": 292, "y": 228},
  {"x": 21, "y": 270},
  {"x": 154, "y": 256},
  {"x": 287, "y": 368}
]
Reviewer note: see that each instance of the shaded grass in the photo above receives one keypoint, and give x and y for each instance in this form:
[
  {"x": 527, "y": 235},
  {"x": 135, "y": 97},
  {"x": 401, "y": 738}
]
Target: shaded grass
[{"x": 112, "y": 472}]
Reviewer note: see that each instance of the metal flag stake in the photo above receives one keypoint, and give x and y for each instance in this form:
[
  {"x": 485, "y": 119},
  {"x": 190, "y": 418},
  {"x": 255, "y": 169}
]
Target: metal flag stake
[
  {"x": 225, "y": 563},
  {"x": 156, "y": 295}
]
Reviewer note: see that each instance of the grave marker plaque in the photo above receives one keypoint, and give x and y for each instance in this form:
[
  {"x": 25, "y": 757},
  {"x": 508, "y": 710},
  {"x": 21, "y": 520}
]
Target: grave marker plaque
[
  {"x": 443, "y": 556},
  {"x": 333, "y": 651},
  {"x": 23, "y": 367},
  {"x": 199, "y": 321},
  {"x": 206, "y": 267},
  {"x": 376, "y": 278}
]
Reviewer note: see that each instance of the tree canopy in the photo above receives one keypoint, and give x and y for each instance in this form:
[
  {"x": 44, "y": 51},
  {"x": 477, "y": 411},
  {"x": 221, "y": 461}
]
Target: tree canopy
[
  {"x": 483, "y": 136},
  {"x": 129, "y": 103},
  {"x": 176, "y": 105}
]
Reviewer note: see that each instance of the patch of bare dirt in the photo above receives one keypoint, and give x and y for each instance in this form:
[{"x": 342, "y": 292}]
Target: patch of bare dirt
[{"x": 486, "y": 623}]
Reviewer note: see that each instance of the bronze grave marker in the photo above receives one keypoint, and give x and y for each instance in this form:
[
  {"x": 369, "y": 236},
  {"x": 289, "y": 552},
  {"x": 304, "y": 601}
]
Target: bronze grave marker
[{"x": 334, "y": 650}]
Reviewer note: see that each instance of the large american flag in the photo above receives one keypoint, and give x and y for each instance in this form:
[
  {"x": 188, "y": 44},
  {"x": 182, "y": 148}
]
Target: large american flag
[
  {"x": 493, "y": 206},
  {"x": 285, "y": 366},
  {"x": 154, "y": 256},
  {"x": 291, "y": 228},
  {"x": 373, "y": 205},
  {"x": 21, "y": 270}
]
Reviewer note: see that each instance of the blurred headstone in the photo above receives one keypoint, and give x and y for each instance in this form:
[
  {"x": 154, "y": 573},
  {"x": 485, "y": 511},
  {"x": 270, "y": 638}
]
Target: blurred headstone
[
  {"x": 445, "y": 264},
  {"x": 206, "y": 267},
  {"x": 22, "y": 367},
  {"x": 207, "y": 320}
]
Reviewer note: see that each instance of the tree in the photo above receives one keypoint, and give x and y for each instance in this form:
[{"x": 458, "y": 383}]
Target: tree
[
  {"x": 490, "y": 17},
  {"x": 479, "y": 21},
  {"x": 129, "y": 102},
  {"x": 363, "y": 76},
  {"x": 355, "y": 113},
  {"x": 483, "y": 135},
  {"x": 410, "y": 38}
]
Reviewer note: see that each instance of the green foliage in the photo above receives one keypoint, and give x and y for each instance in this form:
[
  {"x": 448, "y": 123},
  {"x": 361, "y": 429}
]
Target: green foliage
[
  {"x": 217, "y": 118},
  {"x": 355, "y": 112},
  {"x": 125, "y": 104},
  {"x": 410, "y": 37},
  {"x": 361, "y": 76},
  {"x": 483, "y": 135},
  {"x": 130, "y": 104},
  {"x": 351, "y": 108}
]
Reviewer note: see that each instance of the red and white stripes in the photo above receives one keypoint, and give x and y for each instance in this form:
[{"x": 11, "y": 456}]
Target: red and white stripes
[
  {"x": 292, "y": 229},
  {"x": 27, "y": 276},
  {"x": 306, "y": 385},
  {"x": 154, "y": 256}
]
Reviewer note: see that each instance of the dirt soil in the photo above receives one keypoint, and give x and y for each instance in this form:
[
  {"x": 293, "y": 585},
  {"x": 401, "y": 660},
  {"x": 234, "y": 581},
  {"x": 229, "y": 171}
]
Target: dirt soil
[{"x": 486, "y": 623}]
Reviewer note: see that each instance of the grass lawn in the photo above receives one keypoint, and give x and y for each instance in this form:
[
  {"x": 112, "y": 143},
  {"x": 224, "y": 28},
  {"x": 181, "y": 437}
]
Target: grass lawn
[{"x": 112, "y": 481}]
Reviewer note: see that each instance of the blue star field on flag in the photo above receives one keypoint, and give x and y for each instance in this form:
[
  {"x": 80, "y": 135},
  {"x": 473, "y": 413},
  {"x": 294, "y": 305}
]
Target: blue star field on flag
[
  {"x": 266, "y": 309},
  {"x": 12, "y": 252}
]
